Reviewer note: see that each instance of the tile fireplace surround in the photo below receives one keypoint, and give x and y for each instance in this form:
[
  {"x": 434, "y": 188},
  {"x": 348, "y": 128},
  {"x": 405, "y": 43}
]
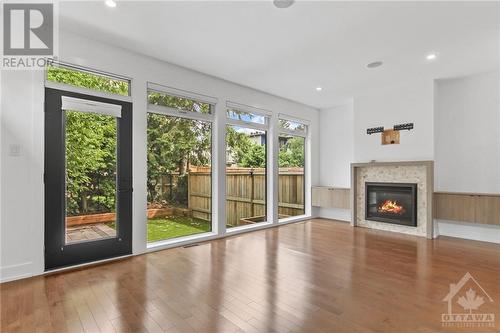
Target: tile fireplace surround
[{"x": 418, "y": 172}]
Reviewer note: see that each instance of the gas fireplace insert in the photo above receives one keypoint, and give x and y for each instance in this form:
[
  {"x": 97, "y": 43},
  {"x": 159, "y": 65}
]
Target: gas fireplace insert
[{"x": 391, "y": 203}]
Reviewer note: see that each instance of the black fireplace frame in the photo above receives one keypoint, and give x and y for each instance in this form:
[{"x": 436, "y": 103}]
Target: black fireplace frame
[{"x": 413, "y": 188}]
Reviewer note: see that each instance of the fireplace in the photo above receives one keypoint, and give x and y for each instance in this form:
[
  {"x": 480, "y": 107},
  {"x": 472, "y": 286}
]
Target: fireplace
[{"x": 394, "y": 203}]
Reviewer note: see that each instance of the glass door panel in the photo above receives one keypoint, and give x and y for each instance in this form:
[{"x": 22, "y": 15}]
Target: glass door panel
[{"x": 91, "y": 183}]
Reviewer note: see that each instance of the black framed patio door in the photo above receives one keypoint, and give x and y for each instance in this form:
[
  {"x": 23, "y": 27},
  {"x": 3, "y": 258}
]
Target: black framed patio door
[{"x": 88, "y": 178}]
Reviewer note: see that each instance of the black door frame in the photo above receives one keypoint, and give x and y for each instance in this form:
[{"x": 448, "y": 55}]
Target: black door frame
[{"x": 57, "y": 253}]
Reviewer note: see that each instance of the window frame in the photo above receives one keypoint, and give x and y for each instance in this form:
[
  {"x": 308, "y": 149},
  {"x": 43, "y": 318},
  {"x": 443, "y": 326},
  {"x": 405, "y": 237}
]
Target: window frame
[
  {"x": 286, "y": 131},
  {"x": 249, "y": 109},
  {"x": 173, "y": 112},
  {"x": 267, "y": 128},
  {"x": 212, "y": 101},
  {"x": 305, "y": 135}
]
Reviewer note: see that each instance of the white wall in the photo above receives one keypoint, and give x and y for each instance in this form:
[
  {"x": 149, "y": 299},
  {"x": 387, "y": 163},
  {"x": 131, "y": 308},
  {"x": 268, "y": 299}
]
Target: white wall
[
  {"x": 22, "y": 219},
  {"x": 21, "y": 216},
  {"x": 336, "y": 145},
  {"x": 456, "y": 124},
  {"x": 343, "y": 137},
  {"x": 467, "y": 131},
  {"x": 406, "y": 102},
  {"x": 336, "y": 154},
  {"x": 467, "y": 145}
]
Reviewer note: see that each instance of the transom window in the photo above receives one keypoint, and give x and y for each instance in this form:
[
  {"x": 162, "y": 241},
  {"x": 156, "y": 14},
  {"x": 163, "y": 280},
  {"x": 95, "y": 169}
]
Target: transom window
[
  {"x": 86, "y": 78},
  {"x": 180, "y": 101},
  {"x": 291, "y": 126}
]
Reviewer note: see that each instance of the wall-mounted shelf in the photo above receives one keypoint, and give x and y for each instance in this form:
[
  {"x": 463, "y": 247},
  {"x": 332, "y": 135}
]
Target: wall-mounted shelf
[
  {"x": 481, "y": 208},
  {"x": 331, "y": 197}
]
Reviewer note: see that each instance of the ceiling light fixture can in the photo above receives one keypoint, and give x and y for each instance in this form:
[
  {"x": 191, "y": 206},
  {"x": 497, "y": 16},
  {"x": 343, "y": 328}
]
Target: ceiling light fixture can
[
  {"x": 374, "y": 64},
  {"x": 319, "y": 88},
  {"x": 110, "y": 3},
  {"x": 283, "y": 3},
  {"x": 431, "y": 56}
]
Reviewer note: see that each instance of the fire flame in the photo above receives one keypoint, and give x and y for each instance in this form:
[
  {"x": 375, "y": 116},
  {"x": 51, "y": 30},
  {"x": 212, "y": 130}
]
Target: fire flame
[{"x": 390, "y": 206}]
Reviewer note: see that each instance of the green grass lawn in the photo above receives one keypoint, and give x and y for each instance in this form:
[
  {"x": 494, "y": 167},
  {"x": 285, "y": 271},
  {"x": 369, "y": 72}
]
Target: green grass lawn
[{"x": 175, "y": 226}]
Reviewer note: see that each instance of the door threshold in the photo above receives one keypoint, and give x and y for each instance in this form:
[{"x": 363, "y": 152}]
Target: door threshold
[{"x": 86, "y": 265}]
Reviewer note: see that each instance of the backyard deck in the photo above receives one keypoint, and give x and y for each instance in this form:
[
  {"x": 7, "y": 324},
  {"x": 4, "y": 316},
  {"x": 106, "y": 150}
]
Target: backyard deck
[{"x": 80, "y": 233}]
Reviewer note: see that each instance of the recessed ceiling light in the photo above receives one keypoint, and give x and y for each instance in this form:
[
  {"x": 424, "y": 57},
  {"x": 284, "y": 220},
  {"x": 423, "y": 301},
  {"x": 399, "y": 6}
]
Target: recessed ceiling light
[
  {"x": 431, "y": 56},
  {"x": 110, "y": 3},
  {"x": 283, "y": 3},
  {"x": 374, "y": 64},
  {"x": 319, "y": 88}
]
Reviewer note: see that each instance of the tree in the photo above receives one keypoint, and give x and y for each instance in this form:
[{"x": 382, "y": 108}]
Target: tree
[
  {"x": 291, "y": 153},
  {"x": 254, "y": 157},
  {"x": 90, "y": 142},
  {"x": 173, "y": 145},
  {"x": 90, "y": 162}
]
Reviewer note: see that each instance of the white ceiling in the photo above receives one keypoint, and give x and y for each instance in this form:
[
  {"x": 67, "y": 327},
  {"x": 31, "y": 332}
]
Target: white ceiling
[{"x": 289, "y": 52}]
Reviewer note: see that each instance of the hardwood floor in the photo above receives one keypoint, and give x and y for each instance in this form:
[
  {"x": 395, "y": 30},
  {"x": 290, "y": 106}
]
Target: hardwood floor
[{"x": 316, "y": 276}]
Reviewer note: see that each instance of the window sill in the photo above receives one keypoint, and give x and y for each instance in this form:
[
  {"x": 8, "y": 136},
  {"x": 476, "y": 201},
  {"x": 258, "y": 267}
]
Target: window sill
[
  {"x": 293, "y": 219},
  {"x": 248, "y": 227},
  {"x": 180, "y": 241}
]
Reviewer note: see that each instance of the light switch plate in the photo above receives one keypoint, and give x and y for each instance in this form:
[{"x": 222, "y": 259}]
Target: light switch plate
[{"x": 14, "y": 149}]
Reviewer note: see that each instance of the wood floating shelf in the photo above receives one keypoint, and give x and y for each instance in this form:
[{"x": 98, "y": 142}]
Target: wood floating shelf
[
  {"x": 478, "y": 208},
  {"x": 331, "y": 197}
]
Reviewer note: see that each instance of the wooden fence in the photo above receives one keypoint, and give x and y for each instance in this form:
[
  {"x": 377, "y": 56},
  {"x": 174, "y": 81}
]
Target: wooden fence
[{"x": 246, "y": 194}]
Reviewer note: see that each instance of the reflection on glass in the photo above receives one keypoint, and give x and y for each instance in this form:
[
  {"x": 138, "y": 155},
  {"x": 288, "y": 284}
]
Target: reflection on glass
[
  {"x": 245, "y": 176},
  {"x": 246, "y": 116},
  {"x": 179, "y": 181},
  {"x": 292, "y": 125},
  {"x": 291, "y": 161},
  {"x": 90, "y": 146}
]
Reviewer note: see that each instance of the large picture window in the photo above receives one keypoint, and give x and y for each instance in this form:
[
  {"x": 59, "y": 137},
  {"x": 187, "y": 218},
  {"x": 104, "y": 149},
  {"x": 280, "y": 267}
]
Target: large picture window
[
  {"x": 179, "y": 162},
  {"x": 246, "y": 168},
  {"x": 291, "y": 164}
]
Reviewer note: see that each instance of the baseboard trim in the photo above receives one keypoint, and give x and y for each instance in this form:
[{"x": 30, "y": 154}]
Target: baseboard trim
[
  {"x": 334, "y": 214},
  {"x": 465, "y": 230},
  {"x": 16, "y": 272}
]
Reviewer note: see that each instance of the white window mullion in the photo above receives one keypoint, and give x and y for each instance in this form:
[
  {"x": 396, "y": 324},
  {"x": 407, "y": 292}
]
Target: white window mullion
[
  {"x": 273, "y": 157},
  {"x": 249, "y": 109},
  {"x": 247, "y": 124},
  {"x": 291, "y": 132},
  {"x": 88, "y": 106},
  {"x": 169, "y": 111}
]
